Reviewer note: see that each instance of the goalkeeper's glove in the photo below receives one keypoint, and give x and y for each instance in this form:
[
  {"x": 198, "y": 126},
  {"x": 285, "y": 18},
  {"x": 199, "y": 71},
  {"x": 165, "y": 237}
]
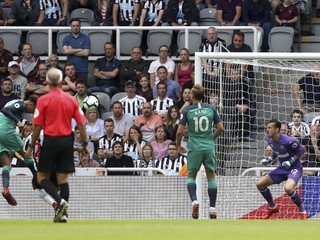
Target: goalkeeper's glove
[
  {"x": 265, "y": 161},
  {"x": 287, "y": 164}
]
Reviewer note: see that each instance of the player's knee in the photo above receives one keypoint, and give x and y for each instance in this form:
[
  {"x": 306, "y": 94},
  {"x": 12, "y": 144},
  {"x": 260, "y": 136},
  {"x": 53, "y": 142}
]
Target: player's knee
[
  {"x": 288, "y": 189},
  {"x": 259, "y": 185}
]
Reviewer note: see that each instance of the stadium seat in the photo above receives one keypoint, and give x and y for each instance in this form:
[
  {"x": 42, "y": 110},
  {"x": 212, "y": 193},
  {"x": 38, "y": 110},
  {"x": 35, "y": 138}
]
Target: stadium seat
[
  {"x": 308, "y": 117},
  {"x": 39, "y": 41},
  {"x": 11, "y": 40},
  {"x": 128, "y": 40},
  {"x": 249, "y": 37},
  {"x": 281, "y": 39},
  {"x": 118, "y": 96},
  {"x": 104, "y": 100},
  {"x": 60, "y": 36},
  {"x": 225, "y": 34},
  {"x": 85, "y": 15},
  {"x": 208, "y": 17},
  {"x": 195, "y": 39},
  {"x": 156, "y": 38},
  {"x": 98, "y": 39}
]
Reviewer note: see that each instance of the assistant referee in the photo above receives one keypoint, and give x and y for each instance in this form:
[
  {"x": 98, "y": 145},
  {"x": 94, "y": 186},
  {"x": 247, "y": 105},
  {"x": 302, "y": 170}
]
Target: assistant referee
[{"x": 54, "y": 112}]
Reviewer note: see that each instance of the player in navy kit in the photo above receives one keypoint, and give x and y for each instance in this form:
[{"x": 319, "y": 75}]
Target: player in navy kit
[{"x": 287, "y": 151}]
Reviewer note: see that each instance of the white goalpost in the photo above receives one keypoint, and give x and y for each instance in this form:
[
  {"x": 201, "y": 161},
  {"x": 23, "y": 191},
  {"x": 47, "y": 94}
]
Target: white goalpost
[{"x": 262, "y": 84}]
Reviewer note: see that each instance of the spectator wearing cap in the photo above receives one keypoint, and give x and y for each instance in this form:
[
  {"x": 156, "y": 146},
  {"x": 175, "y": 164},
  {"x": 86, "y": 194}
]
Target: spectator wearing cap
[
  {"x": 5, "y": 58},
  {"x": 132, "y": 68},
  {"x": 106, "y": 72},
  {"x": 19, "y": 81},
  {"x": 132, "y": 103},
  {"x": 7, "y": 94}
]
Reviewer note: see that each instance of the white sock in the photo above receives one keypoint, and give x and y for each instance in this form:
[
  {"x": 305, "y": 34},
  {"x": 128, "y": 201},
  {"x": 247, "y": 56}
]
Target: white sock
[
  {"x": 212, "y": 209},
  {"x": 194, "y": 202},
  {"x": 45, "y": 196}
]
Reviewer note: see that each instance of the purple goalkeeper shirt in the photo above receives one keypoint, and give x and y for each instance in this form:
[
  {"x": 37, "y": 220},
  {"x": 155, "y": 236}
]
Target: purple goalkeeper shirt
[{"x": 283, "y": 150}]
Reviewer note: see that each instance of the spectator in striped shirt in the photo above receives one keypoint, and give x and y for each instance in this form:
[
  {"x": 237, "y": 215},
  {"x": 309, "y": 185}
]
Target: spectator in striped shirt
[
  {"x": 147, "y": 160},
  {"x": 162, "y": 103},
  {"x": 106, "y": 141},
  {"x": 126, "y": 12},
  {"x": 152, "y": 13},
  {"x": 173, "y": 162},
  {"x": 299, "y": 129},
  {"x": 53, "y": 13},
  {"x": 210, "y": 67},
  {"x": 132, "y": 103},
  {"x": 133, "y": 146}
]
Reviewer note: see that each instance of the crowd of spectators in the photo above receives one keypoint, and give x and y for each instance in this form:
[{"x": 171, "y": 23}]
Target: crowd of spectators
[
  {"x": 262, "y": 13},
  {"x": 147, "y": 117}
]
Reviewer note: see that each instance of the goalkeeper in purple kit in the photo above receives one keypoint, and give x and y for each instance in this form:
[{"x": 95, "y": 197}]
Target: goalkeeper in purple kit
[{"x": 287, "y": 151}]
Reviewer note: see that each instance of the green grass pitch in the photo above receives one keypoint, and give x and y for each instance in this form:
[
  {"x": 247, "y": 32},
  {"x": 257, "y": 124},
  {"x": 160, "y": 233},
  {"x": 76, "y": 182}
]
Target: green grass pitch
[{"x": 160, "y": 229}]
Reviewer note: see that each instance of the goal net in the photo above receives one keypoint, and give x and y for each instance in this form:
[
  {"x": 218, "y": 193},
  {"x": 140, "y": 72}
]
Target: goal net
[
  {"x": 249, "y": 89},
  {"x": 268, "y": 79}
]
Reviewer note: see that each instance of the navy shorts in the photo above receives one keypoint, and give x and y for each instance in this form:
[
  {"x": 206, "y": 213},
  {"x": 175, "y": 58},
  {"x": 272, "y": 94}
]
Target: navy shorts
[{"x": 56, "y": 155}]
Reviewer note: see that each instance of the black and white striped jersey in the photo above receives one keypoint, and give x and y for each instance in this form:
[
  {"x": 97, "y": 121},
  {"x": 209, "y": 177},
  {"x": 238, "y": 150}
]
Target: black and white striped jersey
[
  {"x": 132, "y": 150},
  {"x": 161, "y": 106},
  {"x": 175, "y": 165},
  {"x": 153, "y": 9},
  {"x": 51, "y": 8},
  {"x": 304, "y": 128},
  {"x": 106, "y": 144},
  {"x": 316, "y": 121},
  {"x": 126, "y": 9},
  {"x": 133, "y": 106}
]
